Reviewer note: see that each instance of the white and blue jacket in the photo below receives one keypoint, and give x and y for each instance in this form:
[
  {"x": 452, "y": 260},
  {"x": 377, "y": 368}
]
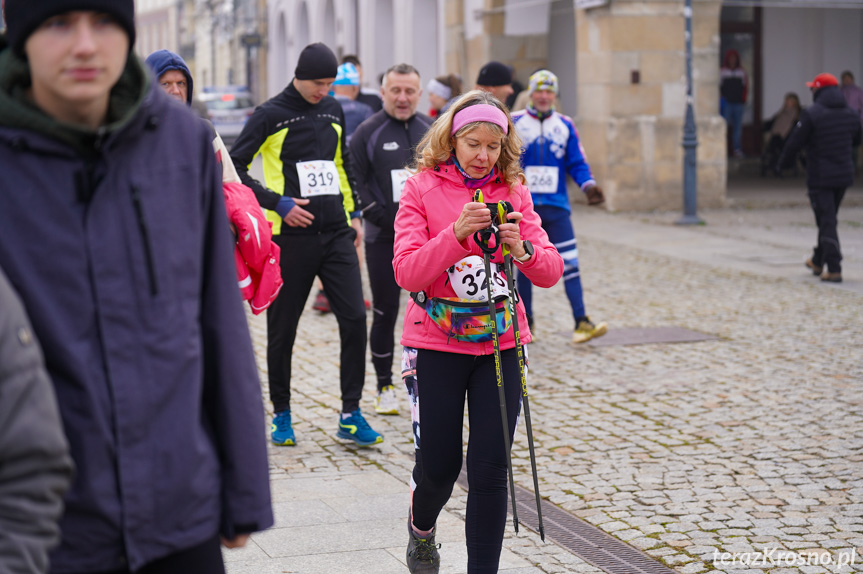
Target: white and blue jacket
[{"x": 553, "y": 141}]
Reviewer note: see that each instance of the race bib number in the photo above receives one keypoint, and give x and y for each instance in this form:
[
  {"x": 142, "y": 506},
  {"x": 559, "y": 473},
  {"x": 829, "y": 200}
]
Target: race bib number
[
  {"x": 399, "y": 177},
  {"x": 468, "y": 279},
  {"x": 541, "y": 178},
  {"x": 318, "y": 178}
]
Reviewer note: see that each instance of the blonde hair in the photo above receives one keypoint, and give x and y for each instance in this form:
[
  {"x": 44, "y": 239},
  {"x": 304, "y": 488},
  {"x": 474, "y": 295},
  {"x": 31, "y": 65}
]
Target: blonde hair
[{"x": 436, "y": 147}]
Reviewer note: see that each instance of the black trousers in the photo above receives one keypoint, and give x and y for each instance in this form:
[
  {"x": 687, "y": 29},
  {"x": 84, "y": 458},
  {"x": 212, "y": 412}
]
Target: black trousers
[
  {"x": 385, "y": 309},
  {"x": 439, "y": 388},
  {"x": 333, "y": 258},
  {"x": 825, "y": 206},
  {"x": 205, "y": 558}
]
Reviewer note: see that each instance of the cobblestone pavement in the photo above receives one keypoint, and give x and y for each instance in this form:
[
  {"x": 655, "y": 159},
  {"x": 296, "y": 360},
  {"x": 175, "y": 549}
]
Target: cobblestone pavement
[{"x": 749, "y": 443}]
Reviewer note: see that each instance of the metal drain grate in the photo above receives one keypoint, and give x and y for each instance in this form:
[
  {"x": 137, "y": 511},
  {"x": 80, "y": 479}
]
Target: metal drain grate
[
  {"x": 586, "y": 541},
  {"x": 648, "y": 335}
]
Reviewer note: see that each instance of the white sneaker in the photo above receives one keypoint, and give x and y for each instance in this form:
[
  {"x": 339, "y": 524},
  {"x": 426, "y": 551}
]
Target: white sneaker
[{"x": 385, "y": 402}]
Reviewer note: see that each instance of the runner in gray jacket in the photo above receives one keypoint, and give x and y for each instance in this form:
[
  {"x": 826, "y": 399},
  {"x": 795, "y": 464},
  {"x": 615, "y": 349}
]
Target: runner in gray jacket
[{"x": 35, "y": 467}]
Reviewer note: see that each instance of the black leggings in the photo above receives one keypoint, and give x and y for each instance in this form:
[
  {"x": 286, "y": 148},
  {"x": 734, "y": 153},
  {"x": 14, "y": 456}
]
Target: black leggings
[
  {"x": 333, "y": 258},
  {"x": 385, "y": 309},
  {"x": 442, "y": 380},
  {"x": 205, "y": 558},
  {"x": 825, "y": 206}
]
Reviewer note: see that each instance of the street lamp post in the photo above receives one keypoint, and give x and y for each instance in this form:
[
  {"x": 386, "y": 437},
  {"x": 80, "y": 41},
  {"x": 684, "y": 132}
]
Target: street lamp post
[
  {"x": 212, "y": 8},
  {"x": 690, "y": 136}
]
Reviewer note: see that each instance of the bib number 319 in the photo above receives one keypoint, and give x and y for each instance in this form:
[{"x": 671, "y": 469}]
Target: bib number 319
[{"x": 318, "y": 178}]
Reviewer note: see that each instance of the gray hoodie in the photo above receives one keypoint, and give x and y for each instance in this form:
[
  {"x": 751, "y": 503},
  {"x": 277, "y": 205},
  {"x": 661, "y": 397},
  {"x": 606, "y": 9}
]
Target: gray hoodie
[{"x": 35, "y": 468}]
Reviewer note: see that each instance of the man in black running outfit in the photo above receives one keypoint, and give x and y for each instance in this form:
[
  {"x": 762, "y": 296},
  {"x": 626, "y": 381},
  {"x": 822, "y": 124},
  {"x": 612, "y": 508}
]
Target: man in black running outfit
[
  {"x": 381, "y": 148},
  {"x": 300, "y": 134}
]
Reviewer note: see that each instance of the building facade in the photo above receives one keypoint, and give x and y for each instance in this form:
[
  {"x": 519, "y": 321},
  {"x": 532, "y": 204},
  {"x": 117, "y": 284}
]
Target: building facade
[
  {"x": 374, "y": 30},
  {"x": 156, "y": 23},
  {"x": 621, "y": 63},
  {"x": 223, "y": 41}
]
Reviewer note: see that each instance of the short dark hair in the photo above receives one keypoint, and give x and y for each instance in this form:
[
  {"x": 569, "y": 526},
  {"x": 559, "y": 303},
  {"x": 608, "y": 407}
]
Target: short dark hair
[
  {"x": 848, "y": 74},
  {"x": 351, "y": 59}
]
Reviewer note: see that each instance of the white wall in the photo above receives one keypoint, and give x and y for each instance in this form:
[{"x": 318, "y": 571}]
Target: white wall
[{"x": 799, "y": 43}]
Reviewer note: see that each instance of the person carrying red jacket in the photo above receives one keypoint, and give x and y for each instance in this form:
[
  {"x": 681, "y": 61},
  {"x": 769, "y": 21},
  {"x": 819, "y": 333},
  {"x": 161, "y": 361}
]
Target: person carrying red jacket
[{"x": 256, "y": 256}]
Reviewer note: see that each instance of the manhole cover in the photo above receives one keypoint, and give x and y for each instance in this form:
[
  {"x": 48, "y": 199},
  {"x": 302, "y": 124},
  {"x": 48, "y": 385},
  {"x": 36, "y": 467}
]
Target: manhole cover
[{"x": 649, "y": 335}]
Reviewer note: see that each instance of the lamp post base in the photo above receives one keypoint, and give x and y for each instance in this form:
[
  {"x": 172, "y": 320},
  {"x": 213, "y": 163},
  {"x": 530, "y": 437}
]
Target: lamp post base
[{"x": 689, "y": 220}]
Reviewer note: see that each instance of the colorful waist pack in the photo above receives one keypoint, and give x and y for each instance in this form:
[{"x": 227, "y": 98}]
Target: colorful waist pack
[{"x": 465, "y": 320}]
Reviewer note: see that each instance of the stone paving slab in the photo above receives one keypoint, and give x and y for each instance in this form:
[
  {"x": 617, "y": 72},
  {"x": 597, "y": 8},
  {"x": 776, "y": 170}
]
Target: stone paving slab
[{"x": 742, "y": 444}]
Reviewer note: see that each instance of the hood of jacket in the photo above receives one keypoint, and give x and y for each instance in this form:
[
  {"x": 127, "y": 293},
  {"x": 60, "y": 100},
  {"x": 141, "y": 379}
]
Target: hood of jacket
[
  {"x": 162, "y": 61},
  {"x": 830, "y": 97},
  {"x": 17, "y": 109}
]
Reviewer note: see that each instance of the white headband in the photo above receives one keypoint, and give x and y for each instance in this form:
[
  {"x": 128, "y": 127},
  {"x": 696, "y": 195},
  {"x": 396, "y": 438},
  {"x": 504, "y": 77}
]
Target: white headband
[{"x": 439, "y": 89}]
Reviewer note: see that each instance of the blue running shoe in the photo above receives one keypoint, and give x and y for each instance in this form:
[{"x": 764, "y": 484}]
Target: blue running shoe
[
  {"x": 282, "y": 434},
  {"x": 358, "y": 430}
]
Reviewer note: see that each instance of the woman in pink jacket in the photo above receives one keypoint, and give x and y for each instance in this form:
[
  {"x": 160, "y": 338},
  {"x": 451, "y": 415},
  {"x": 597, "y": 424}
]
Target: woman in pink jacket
[{"x": 448, "y": 352}]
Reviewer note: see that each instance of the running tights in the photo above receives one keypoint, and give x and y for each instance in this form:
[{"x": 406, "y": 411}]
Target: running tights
[
  {"x": 385, "y": 309},
  {"x": 437, "y": 384}
]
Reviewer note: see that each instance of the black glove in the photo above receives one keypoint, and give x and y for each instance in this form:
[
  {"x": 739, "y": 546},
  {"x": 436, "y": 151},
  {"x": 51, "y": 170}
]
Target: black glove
[{"x": 594, "y": 195}]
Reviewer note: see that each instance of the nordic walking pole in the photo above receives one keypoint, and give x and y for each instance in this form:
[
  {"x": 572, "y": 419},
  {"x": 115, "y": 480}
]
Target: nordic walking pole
[
  {"x": 483, "y": 239},
  {"x": 503, "y": 208}
]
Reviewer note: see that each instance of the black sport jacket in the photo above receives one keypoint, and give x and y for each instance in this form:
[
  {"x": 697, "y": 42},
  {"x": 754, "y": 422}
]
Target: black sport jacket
[
  {"x": 287, "y": 130},
  {"x": 381, "y": 144},
  {"x": 827, "y": 129}
]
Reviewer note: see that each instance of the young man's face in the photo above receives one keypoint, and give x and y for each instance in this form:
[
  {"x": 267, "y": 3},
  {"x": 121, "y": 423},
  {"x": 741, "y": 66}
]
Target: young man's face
[
  {"x": 75, "y": 59},
  {"x": 313, "y": 91},
  {"x": 175, "y": 85}
]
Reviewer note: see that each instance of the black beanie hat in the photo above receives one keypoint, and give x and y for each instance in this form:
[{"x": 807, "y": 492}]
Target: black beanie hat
[
  {"x": 316, "y": 62},
  {"x": 24, "y": 16},
  {"x": 494, "y": 74}
]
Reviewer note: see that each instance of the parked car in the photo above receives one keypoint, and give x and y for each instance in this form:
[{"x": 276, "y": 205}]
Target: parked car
[{"x": 228, "y": 108}]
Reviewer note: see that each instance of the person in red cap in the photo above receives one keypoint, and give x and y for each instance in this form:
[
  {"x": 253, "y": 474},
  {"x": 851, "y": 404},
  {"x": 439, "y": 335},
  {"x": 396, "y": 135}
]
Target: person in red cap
[{"x": 827, "y": 130}]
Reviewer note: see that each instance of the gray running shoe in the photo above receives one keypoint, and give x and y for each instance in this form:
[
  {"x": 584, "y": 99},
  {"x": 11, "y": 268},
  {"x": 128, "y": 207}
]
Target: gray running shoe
[{"x": 422, "y": 555}]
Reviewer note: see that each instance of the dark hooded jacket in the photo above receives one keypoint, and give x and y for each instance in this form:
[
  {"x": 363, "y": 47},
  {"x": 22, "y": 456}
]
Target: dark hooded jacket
[
  {"x": 826, "y": 130},
  {"x": 162, "y": 61},
  {"x": 116, "y": 241}
]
